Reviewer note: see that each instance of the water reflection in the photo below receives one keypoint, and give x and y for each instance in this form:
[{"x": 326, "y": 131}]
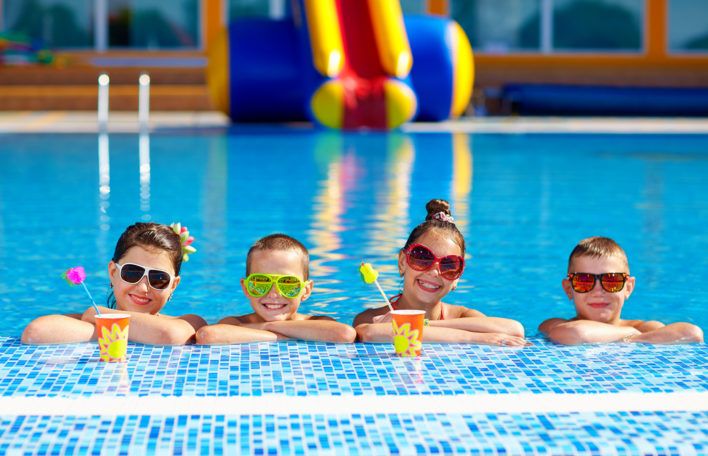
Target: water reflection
[
  {"x": 144, "y": 156},
  {"x": 462, "y": 175},
  {"x": 214, "y": 205},
  {"x": 393, "y": 197},
  {"x": 104, "y": 194},
  {"x": 324, "y": 237}
]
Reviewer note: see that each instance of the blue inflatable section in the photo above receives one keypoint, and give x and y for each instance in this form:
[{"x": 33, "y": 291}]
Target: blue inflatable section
[
  {"x": 548, "y": 99},
  {"x": 265, "y": 66},
  {"x": 433, "y": 69},
  {"x": 272, "y": 76}
]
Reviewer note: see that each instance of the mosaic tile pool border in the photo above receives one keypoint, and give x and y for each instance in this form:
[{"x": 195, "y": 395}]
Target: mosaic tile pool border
[
  {"x": 327, "y": 371},
  {"x": 304, "y": 369}
]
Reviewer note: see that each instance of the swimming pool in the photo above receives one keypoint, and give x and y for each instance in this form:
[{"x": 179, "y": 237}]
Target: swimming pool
[{"x": 522, "y": 201}]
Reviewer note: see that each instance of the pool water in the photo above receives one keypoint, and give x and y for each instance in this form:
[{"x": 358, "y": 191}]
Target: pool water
[{"x": 522, "y": 202}]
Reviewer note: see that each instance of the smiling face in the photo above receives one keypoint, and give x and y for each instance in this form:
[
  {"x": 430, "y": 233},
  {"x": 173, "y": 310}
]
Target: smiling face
[
  {"x": 424, "y": 289},
  {"x": 141, "y": 297},
  {"x": 273, "y": 306},
  {"x": 598, "y": 304}
]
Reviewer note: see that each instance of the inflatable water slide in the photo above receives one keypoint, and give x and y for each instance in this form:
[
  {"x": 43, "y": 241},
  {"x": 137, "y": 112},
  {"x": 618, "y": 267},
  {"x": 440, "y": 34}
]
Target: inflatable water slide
[{"x": 346, "y": 64}]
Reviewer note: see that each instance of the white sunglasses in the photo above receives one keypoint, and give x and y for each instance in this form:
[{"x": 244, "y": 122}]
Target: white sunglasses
[{"x": 134, "y": 273}]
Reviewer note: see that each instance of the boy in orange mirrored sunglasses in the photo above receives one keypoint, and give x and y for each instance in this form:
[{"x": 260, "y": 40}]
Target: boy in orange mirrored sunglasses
[
  {"x": 276, "y": 282},
  {"x": 598, "y": 283}
]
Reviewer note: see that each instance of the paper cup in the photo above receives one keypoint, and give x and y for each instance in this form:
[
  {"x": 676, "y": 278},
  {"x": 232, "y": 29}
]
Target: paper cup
[
  {"x": 408, "y": 331},
  {"x": 112, "y": 332}
]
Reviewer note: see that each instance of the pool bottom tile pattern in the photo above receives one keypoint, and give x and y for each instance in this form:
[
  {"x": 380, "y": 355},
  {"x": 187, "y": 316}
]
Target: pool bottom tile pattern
[
  {"x": 283, "y": 373},
  {"x": 624, "y": 433}
]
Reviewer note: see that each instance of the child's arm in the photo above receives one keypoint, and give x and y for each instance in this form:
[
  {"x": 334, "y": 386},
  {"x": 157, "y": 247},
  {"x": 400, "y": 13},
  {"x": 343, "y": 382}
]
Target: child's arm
[
  {"x": 383, "y": 332},
  {"x": 482, "y": 325},
  {"x": 58, "y": 329},
  {"x": 675, "y": 333},
  {"x": 322, "y": 329},
  {"x": 230, "y": 331},
  {"x": 587, "y": 332},
  {"x": 155, "y": 329}
]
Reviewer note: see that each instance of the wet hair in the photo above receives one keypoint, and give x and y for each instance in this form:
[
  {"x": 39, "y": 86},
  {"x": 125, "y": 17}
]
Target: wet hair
[
  {"x": 279, "y": 241},
  {"x": 598, "y": 247},
  {"x": 151, "y": 236},
  {"x": 437, "y": 221}
]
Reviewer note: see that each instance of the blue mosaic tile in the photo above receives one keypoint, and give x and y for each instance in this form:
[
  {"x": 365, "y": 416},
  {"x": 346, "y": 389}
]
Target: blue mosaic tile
[
  {"x": 623, "y": 433},
  {"x": 312, "y": 369},
  {"x": 303, "y": 369}
]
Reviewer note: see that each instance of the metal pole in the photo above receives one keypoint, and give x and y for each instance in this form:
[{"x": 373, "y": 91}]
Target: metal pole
[
  {"x": 103, "y": 83},
  {"x": 144, "y": 101}
]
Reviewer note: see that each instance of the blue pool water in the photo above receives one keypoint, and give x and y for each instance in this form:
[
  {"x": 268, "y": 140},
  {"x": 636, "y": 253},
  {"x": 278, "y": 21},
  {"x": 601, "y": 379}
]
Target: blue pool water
[{"x": 522, "y": 201}]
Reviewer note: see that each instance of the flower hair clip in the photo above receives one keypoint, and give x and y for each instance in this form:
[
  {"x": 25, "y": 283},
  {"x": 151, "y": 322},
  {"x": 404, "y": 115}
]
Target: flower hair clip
[
  {"x": 185, "y": 240},
  {"x": 443, "y": 217},
  {"x": 77, "y": 276}
]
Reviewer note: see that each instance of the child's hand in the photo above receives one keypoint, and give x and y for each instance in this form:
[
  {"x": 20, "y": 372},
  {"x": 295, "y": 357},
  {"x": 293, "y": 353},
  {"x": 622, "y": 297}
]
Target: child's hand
[
  {"x": 90, "y": 313},
  {"x": 385, "y": 318},
  {"x": 503, "y": 340}
]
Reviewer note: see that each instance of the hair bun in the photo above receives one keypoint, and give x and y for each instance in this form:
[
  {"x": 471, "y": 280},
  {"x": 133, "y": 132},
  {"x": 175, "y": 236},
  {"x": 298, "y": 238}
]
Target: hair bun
[{"x": 438, "y": 209}]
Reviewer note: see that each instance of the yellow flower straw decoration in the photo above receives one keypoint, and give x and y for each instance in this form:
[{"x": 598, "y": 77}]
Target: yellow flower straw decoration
[
  {"x": 405, "y": 341},
  {"x": 370, "y": 275},
  {"x": 113, "y": 344}
]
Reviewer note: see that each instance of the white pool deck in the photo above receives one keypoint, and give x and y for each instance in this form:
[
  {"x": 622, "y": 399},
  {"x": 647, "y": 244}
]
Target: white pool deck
[{"x": 127, "y": 122}]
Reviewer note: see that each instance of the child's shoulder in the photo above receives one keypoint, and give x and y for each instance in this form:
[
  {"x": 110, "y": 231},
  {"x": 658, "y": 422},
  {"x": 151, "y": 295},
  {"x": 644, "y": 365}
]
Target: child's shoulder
[{"x": 550, "y": 323}]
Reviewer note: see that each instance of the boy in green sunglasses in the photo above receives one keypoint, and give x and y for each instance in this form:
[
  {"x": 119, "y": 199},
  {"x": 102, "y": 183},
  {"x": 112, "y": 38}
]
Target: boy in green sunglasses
[
  {"x": 599, "y": 283},
  {"x": 276, "y": 282}
]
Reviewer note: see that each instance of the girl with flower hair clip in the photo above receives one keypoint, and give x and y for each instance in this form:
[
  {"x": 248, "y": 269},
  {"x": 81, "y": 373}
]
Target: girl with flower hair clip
[
  {"x": 144, "y": 273},
  {"x": 431, "y": 263}
]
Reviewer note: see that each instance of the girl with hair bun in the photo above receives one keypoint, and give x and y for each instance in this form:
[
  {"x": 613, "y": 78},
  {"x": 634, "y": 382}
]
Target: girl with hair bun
[
  {"x": 144, "y": 273},
  {"x": 431, "y": 263}
]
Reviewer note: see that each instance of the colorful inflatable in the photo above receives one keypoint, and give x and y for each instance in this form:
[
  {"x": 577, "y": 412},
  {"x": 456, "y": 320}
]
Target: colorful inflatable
[{"x": 344, "y": 64}]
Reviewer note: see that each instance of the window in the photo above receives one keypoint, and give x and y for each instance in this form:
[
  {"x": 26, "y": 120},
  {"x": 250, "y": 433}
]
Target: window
[
  {"x": 153, "y": 24},
  {"x": 688, "y": 26},
  {"x": 598, "y": 25},
  {"x": 254, "y": 8},
  {"x": 50, "y": 23},
  {"x": 548, "y": 26},
  {"x": 499, "y": 26}
]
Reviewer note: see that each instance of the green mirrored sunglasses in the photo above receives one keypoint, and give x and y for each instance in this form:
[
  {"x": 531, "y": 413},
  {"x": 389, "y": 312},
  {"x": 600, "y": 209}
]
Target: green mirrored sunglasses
[{"x": 259, "y": 284}]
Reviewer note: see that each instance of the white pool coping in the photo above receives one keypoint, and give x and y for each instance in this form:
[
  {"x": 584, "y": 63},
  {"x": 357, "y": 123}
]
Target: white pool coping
[
  {"x": 127, "y": 122},
  {"x": 278, "y": 404}
]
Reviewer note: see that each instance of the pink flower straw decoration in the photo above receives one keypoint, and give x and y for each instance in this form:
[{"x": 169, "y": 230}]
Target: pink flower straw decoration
[{"x": 76, "y": 276}]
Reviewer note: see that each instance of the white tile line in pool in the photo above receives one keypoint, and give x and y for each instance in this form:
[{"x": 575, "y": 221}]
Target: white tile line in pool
[{"x": 350, "y": 404}]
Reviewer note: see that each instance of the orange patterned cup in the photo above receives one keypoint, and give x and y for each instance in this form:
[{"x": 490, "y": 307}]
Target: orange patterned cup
[
  {"x": 112, "y": 332},
  {"x": 408, "y": 331}
]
